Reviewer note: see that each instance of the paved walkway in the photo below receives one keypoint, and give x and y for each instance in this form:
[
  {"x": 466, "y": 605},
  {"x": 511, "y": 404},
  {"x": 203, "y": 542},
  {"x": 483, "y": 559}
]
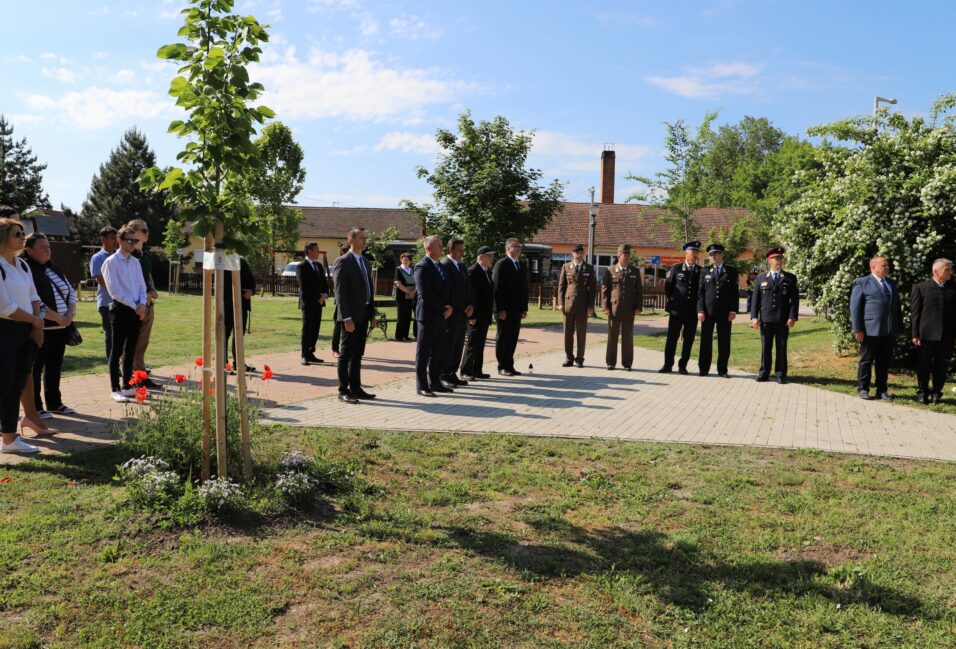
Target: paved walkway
[{"x": 555, "y": 401}]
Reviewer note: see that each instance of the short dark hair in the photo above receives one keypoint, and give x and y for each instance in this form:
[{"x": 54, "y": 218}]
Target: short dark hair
[
  {"x": 354, "y": 231},
  {"x": 312, "y": 245},
  {"x": 405, "y": 255},
  {"x": 32, "y": 238},
  {"x": 455, "y": 241},
  {"x": 6, "y": 211},
  {"x": 107, "y": 231},
  {"x": 344, "y": 247},
  {"x": 126, "y": 232}
]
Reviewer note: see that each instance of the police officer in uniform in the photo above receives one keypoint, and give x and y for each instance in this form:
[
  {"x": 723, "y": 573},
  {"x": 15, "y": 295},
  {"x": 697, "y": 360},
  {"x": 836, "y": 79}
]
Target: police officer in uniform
[
  {"x": 577, "y": 287},
  {"x": 623, "y": 299},
  {"x": 717, "y": 303},
  {"x": 681, "y": 287},
  {"x": 774, "y": 310}
]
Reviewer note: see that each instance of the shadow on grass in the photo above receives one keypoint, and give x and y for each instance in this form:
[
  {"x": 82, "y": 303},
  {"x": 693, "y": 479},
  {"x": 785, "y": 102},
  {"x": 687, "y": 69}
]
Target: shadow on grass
[{"x": 650, "y": 562}]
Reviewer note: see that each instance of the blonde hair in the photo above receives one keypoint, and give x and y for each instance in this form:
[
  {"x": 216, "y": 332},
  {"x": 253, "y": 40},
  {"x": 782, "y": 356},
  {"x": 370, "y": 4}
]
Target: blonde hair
[{"x": 6, "y": 229}]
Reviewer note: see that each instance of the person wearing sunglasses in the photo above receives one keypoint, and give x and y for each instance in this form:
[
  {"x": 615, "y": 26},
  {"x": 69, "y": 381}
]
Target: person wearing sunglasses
[
  {"x": 127, "y": 288},
  {"x": 21, "y": 333},
  {"x": 141, "y": 231}
]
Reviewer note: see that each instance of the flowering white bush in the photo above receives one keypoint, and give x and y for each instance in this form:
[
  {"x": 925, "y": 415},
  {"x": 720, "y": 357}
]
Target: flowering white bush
[
  {"x": 148, "y": 480},
  {"x": 295, "y": 461},
  {"x": 220, "y": 495},
  {"x": 295, "y": 486}
]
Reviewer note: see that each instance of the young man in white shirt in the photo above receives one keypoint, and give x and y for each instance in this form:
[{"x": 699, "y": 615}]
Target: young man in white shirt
[{"x": 126, "y": 286}]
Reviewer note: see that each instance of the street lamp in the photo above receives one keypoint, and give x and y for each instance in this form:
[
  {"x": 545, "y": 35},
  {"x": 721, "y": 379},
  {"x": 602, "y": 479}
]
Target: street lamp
[
  {"x": 876, "y": 103},
  {"x": 592, "y": 224}
]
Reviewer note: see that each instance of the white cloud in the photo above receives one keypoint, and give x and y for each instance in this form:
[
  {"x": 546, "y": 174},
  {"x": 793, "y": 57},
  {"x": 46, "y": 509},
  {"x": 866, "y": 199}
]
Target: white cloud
[
  {"x": 351, "y": 85},
  {"x": 61, "y": 74},
  {"x": 407, "y": 143},
  {"x": 553, "y": 143},
  {"x": 712, "y": 81},
  {"x": 124, "y": 76},
  {"x": 24, "y": 118},
  {"x": 368, "y": 26},
  {"x": 96, "y": 107},
  {"x": 413, "y": 28},
  {"x": 100, "y": 56}
]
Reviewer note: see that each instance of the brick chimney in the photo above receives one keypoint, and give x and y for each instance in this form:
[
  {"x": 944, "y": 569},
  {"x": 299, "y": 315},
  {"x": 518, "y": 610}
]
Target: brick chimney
[{"x": 607, "y": 174}]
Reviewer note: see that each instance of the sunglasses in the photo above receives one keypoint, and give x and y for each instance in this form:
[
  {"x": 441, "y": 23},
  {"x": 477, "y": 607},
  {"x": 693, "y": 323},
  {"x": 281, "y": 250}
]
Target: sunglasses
[
  {"x": 131, "y": 241},
  {"x": 18, "y": 234}
]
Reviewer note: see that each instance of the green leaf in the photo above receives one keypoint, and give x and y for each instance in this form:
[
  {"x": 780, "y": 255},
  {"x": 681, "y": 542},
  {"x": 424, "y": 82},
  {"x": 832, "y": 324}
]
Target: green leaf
[
  {"x": 175, "y": 51},
  {"x": 173, "y": 178},
  {"x": 177, "y": 86},
  {"x": 266, "y": 112}
]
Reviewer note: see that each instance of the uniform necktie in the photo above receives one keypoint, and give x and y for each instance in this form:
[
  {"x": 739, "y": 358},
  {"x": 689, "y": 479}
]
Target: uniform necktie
[
  {"x": 717, "y": 273},
  {"x": 775, "y": 279},
  {"x": 577, "y": 269},
  {"x": 886, "y": 289}
]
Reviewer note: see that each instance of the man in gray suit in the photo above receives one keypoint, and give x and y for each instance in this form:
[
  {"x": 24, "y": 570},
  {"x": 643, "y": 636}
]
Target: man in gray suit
[{"x": 876, "y": 317}]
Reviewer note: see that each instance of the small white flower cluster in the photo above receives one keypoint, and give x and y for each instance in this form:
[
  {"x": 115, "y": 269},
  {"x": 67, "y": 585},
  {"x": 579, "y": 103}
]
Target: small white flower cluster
[
  {"x": 294, "y": 482},
  {"x": 149, "y": 479},
  {"x": 219, "y": 494}
]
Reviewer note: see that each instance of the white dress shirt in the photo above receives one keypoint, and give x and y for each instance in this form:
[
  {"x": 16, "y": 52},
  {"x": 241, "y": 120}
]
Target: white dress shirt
[
  {"x": 17, "y": 290},
  {"x": 124, "y": 280}
]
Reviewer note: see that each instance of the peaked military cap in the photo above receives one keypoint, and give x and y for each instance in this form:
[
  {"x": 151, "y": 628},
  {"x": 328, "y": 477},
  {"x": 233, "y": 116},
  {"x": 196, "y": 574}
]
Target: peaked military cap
[
  {"x": 692, "y": 245},
  {"x": 714, "y": 247},
  {"x": 624, "y": 249},
  {"x": 773, "y": 252},
  {"x": 578, "y": 248},
  {"x": 486, "y": 250}
]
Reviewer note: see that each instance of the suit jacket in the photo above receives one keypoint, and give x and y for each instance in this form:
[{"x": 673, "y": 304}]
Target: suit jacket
[
  {"x": 483, "y": 293},
  {"x": 933, "y": 310},
  {"x": 433, "y": 295},
  {"x": 459, "y": 288},
  {"x": 577, "y": 289},
  {"x": 247, "y": 282},
  {"x": 775, "y": 303},
  {"x": 717, "y": 298},
  {"x": 354, "y": 300},
  {"x": 681, "y": 286},
  {"x": 312, "y": 283},
  {"x": 511, "y": 286},
  {"x": 871, "y": 311},
  {"x": 622, "y": 291}
]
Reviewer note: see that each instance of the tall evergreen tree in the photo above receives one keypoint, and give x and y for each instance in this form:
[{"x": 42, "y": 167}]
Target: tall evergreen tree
[
  {"x": 115, "y": 194},
  {"x": 21, "y": 176}
]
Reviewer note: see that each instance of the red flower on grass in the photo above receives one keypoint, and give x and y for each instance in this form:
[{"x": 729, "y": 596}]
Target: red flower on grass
[
  {"x": 180, "y": 378},
  {"x": 199, "y": 362}
]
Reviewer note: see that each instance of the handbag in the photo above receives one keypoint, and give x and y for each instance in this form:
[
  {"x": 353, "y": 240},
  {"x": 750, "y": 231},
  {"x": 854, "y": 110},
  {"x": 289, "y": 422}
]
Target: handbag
[{"x": 73, "y": 337}]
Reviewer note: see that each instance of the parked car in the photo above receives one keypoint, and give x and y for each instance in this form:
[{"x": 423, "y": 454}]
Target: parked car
[{"x": 289, "y": 270}]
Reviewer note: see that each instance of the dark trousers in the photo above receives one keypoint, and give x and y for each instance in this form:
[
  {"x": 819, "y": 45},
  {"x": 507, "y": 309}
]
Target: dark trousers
[
  {"x": 773, "y": 340},
  {"x": 351, "y": 350},
  {"x": 453, "y": 344},
  {"x": 934, "y": 357},
  {"x": 575, "y": 324},
  {"x": 723, "y": 326},
  {"x": 676, "y": 325},
  {"x": 428, "y": 354},
  {"x": 506, "y": 340},
  {"x": 311, "y": 323},
  {"x": 230, "y": 329},
  {"x": 16, "y": 363},
  {"x": 336, "y": 330},
  {"x": 622, "y": 328},
  {"x": 47, "y": 367},
  {"x": 875, "y": 354},
  {"x": 125, "y": 326},
  {"x": 107, "y": 330},
  {"x": 473, "y": 362},
  {"x": 405, "y": 320}
]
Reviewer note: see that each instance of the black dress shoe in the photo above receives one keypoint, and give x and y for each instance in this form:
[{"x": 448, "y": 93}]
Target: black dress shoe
[
  {"x": 347, "y": 398},
  {"x": 682, "y": 370},
  {"x": 454, "y": 380},
  {"x": 610, "y": 367},
  {"x": 507, "y": 373},
  {"x": 363, "y": 395},
  {"x": 448, "y": 385},
  {"x": 304, "y": 361},
  {"x": 442, "y": 389},
  {"x": 426, "y": 393},
  {"x": 313, "y": 359},
  {"x": 627, "y": 368},
  {"x": 762, "y": 379},
  {"x": 483, "y": 376},
  {"x": 467, "y": 377},
  {"x": 922, "y": 399},
  {"x": 938, "y": 398},
  {"x": 864, "y": 395},
  {"x": 515, "y": 373},
  {"x": 664, "y": 370},
  {"x": 782, "y": 380},
  {"x": 723, "y": 375},
  {"x": 580, "y": 363},
  {"x": 567, "y": 363},
  {"x": 703, "y": 373},
  {"x": 150, "y": 384},
  {"x": 884, "y": 396}
]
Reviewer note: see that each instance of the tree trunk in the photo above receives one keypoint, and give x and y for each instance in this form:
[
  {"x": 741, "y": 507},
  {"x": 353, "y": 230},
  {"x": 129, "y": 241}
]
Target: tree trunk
[
  {"x": 221, "y": 360},
  {"x": 239, "y": 332},
  {"x": 207, "y": 278}
]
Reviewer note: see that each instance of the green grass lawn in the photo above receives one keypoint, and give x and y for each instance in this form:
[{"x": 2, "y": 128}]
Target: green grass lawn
[
  {"x": 485, "y": 541},
  {"x": 811, "y": 360},
  {"x": 177, "y": 331}
]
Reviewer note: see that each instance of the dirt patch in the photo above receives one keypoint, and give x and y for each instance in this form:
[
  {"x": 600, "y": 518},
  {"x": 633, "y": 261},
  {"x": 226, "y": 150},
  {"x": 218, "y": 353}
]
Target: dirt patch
[{"x": 827, "y": 554}]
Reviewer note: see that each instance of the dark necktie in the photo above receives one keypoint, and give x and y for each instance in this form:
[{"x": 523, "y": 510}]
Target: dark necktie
[
  {"x": 488, "y": 277},
  {"x": 438, "y": 267},
  {"x": 886, "y": 289},
  {"x": 368, "y": 286},
  {"x": 717, "y": 274}
]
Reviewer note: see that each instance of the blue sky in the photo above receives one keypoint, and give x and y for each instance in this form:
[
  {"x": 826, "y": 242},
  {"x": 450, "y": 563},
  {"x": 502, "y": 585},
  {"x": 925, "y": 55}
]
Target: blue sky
[{"x": 365, "y": 84}]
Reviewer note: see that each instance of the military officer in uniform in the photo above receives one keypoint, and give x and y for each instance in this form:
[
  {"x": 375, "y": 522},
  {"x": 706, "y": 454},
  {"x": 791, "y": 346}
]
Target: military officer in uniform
[
  {"x": 717, "y": 303},
  {"x": 577, "y": 288},
  {"x": 623, "y": 299},
  {"x": 774, "y": 310},
  {"x": 681, "y": 287}
]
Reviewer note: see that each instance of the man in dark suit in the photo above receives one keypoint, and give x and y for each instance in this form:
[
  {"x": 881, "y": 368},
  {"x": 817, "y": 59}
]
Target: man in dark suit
[
  {"x": 313, "y": 291},
  {"x": 352, "y": 275},
  {"x": 247, "y": 284},
  {"x": 681, "y": 287},
  {"x": 462, "y": 306},
  {"x": 876, "y": 317},
  {"x": 933, "y": 314},
  {"x": 432, "y": 310},
  {"x": 510, "y": 277},
  {"x": 577, "y": 288},
  {"x": 717, "y": 304},
  {"x": 337, "y": 325},
  {"x": 483, "y": 294},
  {"x": 774, "y": 310}
]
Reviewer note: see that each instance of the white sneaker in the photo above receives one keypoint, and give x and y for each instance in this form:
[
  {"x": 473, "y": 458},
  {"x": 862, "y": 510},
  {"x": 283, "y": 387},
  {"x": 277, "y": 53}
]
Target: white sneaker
[
  {"x": 18, "y": 446},
  {"x": 45, "y": 414},
  {"x": 120, "y": 397}
]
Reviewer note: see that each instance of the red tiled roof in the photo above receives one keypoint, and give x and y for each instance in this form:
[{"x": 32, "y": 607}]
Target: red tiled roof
[
  {"x": 627, "y": 223},
  {"x": 334, "y": 222}
]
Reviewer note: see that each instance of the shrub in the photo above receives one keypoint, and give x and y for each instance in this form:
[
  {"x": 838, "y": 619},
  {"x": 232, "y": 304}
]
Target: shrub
[
  {"x": 222, "y": 496},
  {"x": 149, "y": 481}
]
